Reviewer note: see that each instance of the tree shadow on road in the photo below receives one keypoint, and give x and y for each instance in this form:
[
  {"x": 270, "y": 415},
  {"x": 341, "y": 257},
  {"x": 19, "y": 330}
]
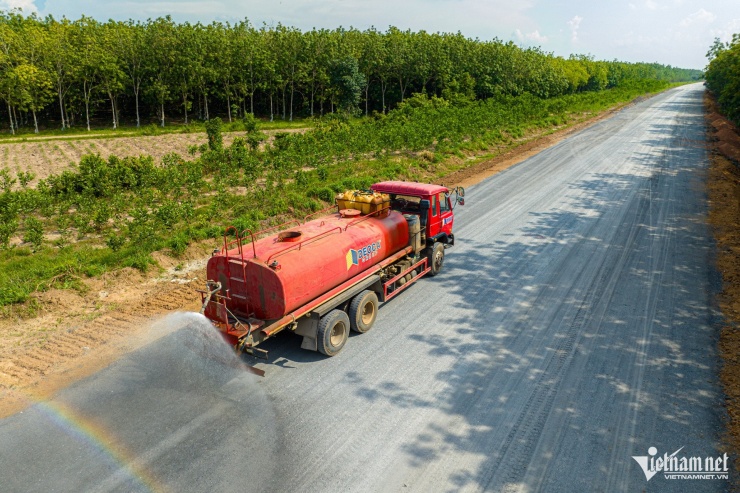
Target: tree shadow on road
[{"x": 582, "y": 338}]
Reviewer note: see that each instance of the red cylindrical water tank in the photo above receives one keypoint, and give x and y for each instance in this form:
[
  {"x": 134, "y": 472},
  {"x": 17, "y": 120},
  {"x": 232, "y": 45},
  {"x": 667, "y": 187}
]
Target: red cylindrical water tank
[{"x": 290, "y": 270}]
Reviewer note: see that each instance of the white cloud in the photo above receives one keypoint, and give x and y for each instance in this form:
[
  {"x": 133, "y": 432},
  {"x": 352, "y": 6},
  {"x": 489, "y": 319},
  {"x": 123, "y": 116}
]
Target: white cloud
[
  {"x": 726, "y": 31},
  {"x": 574, "y": 24},
  {"x": 533, "y": 37},
  {"x": 27, "y": 6},
  {"x": 701, "y": 16}
]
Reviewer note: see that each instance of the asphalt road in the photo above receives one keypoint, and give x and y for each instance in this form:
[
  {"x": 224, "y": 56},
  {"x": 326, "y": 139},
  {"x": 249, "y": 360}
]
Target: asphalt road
[{"x": 572, "y": 328}]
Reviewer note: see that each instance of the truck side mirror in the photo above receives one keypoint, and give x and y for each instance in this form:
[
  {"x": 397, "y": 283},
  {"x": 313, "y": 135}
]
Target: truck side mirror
[
  {"x": 424, "y": 206},
  {"x": 459, "y": 194}
]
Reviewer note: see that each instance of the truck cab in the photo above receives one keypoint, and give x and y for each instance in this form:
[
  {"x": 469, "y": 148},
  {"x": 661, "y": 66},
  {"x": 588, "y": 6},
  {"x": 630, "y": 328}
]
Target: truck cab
[{"x": 432, "y": 203}]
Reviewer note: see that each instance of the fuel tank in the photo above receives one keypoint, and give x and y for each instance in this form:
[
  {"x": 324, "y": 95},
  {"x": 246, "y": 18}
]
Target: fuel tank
[{"x": 278, "y": 274}]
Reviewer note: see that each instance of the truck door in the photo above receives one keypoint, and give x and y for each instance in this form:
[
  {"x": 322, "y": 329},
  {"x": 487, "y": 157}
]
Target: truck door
[
  {"x": 445, "y": 213},
  {"x": 435, "y": 224}
]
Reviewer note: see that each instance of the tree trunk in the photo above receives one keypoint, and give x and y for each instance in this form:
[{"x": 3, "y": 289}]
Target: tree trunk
[
  {"x": 113, "y": 109},
  {"x": 86, "y": 94},
  {"x": 70, "y": 122},
  {"x": 10, "y": 116},
  {"x": 35, "y": 122},
  {"x": 61, "y": 106},
  {"x": 185, "y": 106},
  {"x": 292, "y": 91},
  {"x": 271, "y": 115},
  {"x": 136, "y": 97},
  {"x": 162, "y": 114},
  {"x": 383, "y": 88},
  {"x": 205, "y": 104},
  {"x": 228, "y": 104},
  {"x": 367, "y": 89}
]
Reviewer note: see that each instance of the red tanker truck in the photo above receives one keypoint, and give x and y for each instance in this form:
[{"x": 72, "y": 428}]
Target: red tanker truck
[{"x": 322, "y": 277}]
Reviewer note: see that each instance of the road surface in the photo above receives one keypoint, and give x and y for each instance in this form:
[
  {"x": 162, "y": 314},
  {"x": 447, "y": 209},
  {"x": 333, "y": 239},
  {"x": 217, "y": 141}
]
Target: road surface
[{"x": 572, "y": 328}]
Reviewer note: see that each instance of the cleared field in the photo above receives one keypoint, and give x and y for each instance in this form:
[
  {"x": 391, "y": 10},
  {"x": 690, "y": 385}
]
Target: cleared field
[{"x": 53, "y": 156}]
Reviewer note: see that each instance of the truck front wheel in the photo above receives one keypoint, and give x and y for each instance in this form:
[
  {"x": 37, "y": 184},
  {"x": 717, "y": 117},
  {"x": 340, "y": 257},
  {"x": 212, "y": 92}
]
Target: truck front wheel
[
  {"x": 363, "y": 310},
  {"x": 436, "y": 257},
  {"x": 333, "y": 332}
]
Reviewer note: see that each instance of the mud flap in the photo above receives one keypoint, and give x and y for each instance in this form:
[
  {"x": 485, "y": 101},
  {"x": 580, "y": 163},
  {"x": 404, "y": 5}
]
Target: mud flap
[{"x": 308, "y": 327}]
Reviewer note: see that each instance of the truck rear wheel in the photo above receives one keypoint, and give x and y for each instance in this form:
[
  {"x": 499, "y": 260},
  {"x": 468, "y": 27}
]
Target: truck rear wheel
[
  {"x": 363, "y": 311},
  {"x": 333, "y": 332},
  {"x": 436, "y": 257}
]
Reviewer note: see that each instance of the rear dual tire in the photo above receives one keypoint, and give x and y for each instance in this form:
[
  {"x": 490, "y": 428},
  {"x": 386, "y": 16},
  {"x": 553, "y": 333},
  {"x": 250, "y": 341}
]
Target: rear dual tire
[
  {"x": 363, "y": 311},
  {"x": 333, "y": 332},
  {"x": 334, "y": 327}
]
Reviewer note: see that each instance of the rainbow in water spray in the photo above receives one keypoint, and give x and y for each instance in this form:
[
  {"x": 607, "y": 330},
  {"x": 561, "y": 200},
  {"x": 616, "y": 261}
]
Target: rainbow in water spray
[{"x": 103, "y": 442}]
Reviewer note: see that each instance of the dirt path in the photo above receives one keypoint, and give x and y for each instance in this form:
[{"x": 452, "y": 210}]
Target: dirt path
[{"x": 75, "y": 334}]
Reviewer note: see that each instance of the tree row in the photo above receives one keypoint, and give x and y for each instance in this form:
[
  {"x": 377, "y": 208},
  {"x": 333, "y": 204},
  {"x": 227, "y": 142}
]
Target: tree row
[{"x": 63, "y": 73}]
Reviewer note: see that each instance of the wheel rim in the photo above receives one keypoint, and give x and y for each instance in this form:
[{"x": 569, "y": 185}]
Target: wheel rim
[
  {"x": 337, "y": 334},
  {"x": 368, "y": 313},
  {"x": 438, "y": 261}
]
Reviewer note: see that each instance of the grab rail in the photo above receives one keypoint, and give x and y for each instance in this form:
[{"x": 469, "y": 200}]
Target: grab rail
[
  {"x": 321, "y": 211},
  {"x": 365, "y": 217},
  {"x": 298, "y": 245},
  {"x": 236, "y": 240},
  {"x": 254, "y": 248},
  {"x": 279, "y": 226}
]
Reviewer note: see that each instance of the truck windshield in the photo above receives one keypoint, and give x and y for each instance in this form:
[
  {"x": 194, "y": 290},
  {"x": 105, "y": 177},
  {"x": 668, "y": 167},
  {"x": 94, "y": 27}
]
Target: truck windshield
[{"x": 405, "y": 203}]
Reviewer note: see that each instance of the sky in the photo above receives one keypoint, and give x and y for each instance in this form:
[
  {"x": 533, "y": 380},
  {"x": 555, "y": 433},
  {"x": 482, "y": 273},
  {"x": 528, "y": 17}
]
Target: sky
[{"x": 671, "y": 32}]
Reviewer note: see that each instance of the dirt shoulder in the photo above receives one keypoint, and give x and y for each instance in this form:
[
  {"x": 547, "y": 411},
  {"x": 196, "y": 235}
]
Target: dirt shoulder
[
  {"x": 77, "y": 334},
  {"x": 724, "y": 217}
]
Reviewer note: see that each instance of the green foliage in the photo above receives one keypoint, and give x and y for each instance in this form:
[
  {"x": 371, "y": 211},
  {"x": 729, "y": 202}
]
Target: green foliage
[
  {"x": 723, "y": 76},
  {"x": 140, "y": 261},
  {"x": 323, "y": 193},
  {"x": 115, "y": 241},
  {"x": 7, "y": 229},
  {"x": 53, "y": 69},
  {"x": 6, "y": 181},
  {"x": 250, "y": 123},
  {"x": 215, "y": 138},
  {"x": 25, "y": 177},
  {"x": 178, "y": 244},
  {"x": 322, "y": 173},
  {"x": 34, "y": 232},
  {"x": 345, "y": 77}
]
